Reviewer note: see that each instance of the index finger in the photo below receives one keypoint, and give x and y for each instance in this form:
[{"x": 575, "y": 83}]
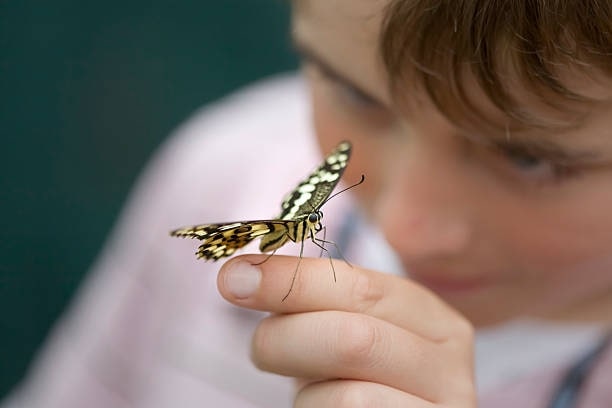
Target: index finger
[{"x": 246, "y": 282}]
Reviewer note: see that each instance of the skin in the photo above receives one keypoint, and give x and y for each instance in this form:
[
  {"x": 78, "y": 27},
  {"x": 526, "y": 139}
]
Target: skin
[{"x": 485, "y": 233}]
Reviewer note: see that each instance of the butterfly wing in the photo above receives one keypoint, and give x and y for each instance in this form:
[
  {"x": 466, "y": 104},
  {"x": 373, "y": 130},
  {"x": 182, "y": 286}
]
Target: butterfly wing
[
  {"x": 311, "y": 193},
  {"x": 221, "y": 240}
]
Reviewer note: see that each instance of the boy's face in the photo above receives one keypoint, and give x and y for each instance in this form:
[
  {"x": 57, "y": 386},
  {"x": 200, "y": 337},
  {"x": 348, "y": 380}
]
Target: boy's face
[{"x": 495, "y": 231}]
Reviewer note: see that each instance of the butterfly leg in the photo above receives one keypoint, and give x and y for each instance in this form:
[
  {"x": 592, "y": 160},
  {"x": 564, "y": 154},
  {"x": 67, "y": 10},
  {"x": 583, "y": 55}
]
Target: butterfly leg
[
  {"x": 267, "y": 258},
  {"x": 297, "y": 267},
  {"x": 324, "y": 236},
  {"x": 320, "y": 243},
  {"x": 323, "y": 242}
]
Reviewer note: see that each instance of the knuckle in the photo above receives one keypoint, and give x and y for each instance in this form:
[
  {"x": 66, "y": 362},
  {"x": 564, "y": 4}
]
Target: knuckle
[
  {"x": 460, "y": 341},
  {"x": 358, "y": 339},
  {"x": 366, "y": 292},
  {"x": 462, "y": 330}
]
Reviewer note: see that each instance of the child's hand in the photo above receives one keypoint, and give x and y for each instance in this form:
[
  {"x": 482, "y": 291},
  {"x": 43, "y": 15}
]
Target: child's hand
[{"x": 369, "y": 339}]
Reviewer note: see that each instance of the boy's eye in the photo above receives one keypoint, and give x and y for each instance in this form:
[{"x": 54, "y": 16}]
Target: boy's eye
[
  {"x": 523, "y": 160},
  {"x": 536, "y": 168}
]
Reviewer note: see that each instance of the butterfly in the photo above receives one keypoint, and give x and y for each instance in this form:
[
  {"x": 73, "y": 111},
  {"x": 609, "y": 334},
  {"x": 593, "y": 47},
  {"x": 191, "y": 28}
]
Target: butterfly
[{"x": 300, "y": 217}]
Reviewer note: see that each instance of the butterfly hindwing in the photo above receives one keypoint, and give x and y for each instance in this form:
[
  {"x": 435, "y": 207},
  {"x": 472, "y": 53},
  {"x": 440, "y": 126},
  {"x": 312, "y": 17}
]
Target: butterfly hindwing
[{"x": 221, "y": 240}]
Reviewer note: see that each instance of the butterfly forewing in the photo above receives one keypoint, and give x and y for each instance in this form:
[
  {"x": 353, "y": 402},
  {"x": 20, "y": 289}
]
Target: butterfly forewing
[
  {"x": 223, "y": 239},
  {"x": 311, "y": 193}
]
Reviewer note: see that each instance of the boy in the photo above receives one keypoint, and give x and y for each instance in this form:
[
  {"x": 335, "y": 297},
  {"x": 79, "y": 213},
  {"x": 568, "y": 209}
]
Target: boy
[{"x": 483, "y": 129}]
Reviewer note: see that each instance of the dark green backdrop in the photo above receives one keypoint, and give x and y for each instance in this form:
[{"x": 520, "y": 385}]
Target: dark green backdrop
[{"x": 87, "y": 91}]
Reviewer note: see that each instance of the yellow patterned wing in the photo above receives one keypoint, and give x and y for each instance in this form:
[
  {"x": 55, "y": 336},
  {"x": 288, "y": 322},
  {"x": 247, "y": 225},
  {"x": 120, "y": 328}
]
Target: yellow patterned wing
[
  {"x": 312, "y": 193},
  {"x": 300, "y": 216},
  {"x": 221, "y": 240}
]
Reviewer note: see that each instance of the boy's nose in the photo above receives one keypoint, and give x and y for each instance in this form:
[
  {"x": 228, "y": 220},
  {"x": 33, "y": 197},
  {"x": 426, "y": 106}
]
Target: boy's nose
[{"x": 422, "y": 209}]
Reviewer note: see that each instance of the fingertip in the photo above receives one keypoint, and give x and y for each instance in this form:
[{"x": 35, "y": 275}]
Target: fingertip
[{"x": 239, "y": 279}]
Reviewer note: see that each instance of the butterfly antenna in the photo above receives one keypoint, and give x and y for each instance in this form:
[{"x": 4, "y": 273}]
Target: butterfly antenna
[{"x": 343, "y": 190}]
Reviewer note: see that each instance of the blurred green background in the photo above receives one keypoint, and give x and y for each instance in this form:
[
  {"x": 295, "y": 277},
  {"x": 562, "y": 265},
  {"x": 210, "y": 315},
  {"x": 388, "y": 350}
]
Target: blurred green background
[{"x": 87, "y": 91}]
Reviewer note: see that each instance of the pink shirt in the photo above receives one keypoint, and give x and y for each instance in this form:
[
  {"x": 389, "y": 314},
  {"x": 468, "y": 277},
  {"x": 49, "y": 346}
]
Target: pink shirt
[{"x": 149, "y": 323}]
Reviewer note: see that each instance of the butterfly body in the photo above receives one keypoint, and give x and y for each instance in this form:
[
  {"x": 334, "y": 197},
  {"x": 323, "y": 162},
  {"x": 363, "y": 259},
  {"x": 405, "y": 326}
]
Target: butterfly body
[{"x": 300, "y": 216}]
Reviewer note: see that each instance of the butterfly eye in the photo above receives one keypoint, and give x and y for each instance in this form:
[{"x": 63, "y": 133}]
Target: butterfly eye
[{"x": 313, "y": 218}]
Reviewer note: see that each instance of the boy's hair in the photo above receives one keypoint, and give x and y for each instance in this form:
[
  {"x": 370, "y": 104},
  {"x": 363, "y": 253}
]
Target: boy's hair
[{"x": 501, "y": 44}]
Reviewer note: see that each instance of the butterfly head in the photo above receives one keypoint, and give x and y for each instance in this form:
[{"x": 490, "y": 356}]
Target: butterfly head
[{"x": 314, "y": 219}]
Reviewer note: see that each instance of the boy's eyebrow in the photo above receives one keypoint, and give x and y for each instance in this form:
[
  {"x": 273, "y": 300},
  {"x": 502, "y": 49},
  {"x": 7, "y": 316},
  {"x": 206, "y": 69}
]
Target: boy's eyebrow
[{"x": 308, "y": 54}]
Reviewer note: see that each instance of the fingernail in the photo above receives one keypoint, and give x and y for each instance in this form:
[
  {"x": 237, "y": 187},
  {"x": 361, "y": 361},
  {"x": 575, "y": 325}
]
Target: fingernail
[{"x": 242, "y": 279}]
